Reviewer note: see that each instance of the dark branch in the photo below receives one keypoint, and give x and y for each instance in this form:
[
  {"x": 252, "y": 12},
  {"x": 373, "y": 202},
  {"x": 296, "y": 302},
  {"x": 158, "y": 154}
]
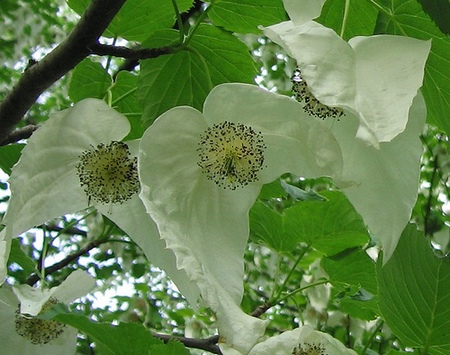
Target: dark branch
[
  {"x": 40, "y": 76},
  {"x": 67, "y": 260},
  {"x": 260, "y": 310},
  {"x": 18, "y": 134},
  {"x": 129, "y": 53},
  {"x": 208, "y": 344}
]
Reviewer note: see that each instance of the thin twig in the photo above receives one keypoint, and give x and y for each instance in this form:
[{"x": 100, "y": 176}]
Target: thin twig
[
  {"x": 19, "y": 134},
  {"x": 128, "y": 53},
  {"x": 67, "y": 260},
  {"x": 208, "y": 344}
]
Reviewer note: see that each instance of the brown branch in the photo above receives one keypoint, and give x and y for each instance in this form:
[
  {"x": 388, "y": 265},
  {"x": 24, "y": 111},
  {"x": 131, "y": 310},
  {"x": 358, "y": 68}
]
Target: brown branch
[
  {"x": 18, "y": 134},
  {"x": 260, "y": 310},
  {"x": 208, "y": 344},
  {"x": 40, "y": 76},
  {"x": 129, "y": 53},
  {"x": 66, "y": 261}
]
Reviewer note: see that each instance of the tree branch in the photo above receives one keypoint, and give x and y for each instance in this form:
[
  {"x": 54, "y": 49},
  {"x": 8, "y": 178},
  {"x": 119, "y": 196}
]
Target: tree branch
[
  {"x": 129, "y": 53},
  {"x": 208, "y": 344},
  {"x": 67, "y": 260},
  {"x": 18, "y": 134},
  {"x": 38, "y": 77}
]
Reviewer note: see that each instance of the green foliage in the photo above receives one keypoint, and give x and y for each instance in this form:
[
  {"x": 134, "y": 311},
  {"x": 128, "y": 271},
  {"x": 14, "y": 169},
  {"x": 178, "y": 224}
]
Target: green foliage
[
  {"x": 89, "y": 79},
  {"x": 360, "y": 21},
  {"x": 185, "y": 78},
  {"x": 9, "y": 155},
  {"x": 439, "y": 11},
  {"x": 244, "y": 16},
  {"x": 414, "y": 298},
  {"x": 329, "y": 227}
]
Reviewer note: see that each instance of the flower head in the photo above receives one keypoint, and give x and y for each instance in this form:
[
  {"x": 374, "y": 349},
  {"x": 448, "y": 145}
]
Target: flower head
[
  {"x": 77, "y": 159},
  {"x": 24, "y": 334},
  {"x": 374, "y": 77},
  {"x": 374, "y": 82},
  {"x": 201, "y": 173},
  {"x": 300, "y": 341}
]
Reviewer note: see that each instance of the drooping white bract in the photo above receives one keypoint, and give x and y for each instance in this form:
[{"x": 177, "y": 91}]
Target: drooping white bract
[
  {"x": 374, "y": 77},
  {"x": 201, "y": 173},
  {"x": 45, "y": 182},
  {"x": 385, "y": 180},
  {"x": 303, "y": 340},
  {"x": 39, "y": 336}
]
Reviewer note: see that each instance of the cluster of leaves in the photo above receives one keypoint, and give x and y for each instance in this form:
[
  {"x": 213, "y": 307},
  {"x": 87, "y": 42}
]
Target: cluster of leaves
[{"x": 308, "y": 259}]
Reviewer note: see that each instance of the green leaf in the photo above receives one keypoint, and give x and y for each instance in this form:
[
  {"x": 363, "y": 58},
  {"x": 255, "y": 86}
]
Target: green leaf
[
  {"x": 360, "y": 21},
  {"x": 357, "y": 269},
  {"x": 89, "y": 79},
  {"x": 244, "y": 16},
  {"x": 301, "y": 195},
  {"x": 329, "y": 227},
  {"x": 414, "y": 294},
  {"x": 185, "y": 78},
  {"x": 439, "y": 11},
  {"x": 17, "y": 256},
  {"x": 124, "y": 100},
  {"x": 171, "y": 348},
  {"x": 408, "y": 19},
  {"x": 137, "y": 19},
  {"x": 124, "y": 338},
  {"x": 9, "y": 155}
]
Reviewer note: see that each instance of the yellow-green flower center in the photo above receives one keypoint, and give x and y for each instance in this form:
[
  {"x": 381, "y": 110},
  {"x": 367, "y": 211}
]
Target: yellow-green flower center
[
  {"x": 312, "y": 106},
  {"x": 39, "y": 331},
  {"x": 231, "y": 154},
  {"x": 309, "y": 349},
  {"x": 108, "y": 173}
]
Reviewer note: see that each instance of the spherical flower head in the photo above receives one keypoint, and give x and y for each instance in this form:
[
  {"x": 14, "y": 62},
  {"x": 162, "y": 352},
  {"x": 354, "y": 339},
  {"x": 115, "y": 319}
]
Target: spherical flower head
[
  {"x": 312, "y": 106},
  {"x": 202, "y": 172},
  {"x": 108, "y": 174},
  {"x": 231, "y": 154},
  {"x": 39, "y": 331}
]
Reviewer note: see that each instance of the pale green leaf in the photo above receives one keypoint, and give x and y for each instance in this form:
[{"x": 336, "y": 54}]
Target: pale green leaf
[{"x": 89, "y": 79}]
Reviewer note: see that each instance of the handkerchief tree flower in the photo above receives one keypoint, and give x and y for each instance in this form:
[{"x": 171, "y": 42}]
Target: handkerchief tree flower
[
  {"x": 300, "y": 341},
  {"x": 374, "y": 77},
  {"x": 75, "y": 160},
  {"x": 23, "y": 334},
  {"x": 202, "y": 172},
  {"x": 366, "y": 87}
]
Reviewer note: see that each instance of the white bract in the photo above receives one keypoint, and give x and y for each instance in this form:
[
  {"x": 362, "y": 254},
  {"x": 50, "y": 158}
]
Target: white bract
[
  {"x": 77, "y": 150},
  {"x": 372, "y": 82},
  {"x": 202, "y": 172},
  {"x": 300, "y": 341},
  {"x": 22, "y": 334},
  {"x": 373, "y": 77}
]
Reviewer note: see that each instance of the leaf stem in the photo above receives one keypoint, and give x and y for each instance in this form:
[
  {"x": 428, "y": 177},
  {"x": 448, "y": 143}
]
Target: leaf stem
[
  {"x": 372, "y": 336},
  {"x": 300, "y": 289},
  {"x": 197, "y": 23},
  {"x": 345, "y": 18},
  {"x": 179, "y": 20},
  {"x": 275, "y": 299}
]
